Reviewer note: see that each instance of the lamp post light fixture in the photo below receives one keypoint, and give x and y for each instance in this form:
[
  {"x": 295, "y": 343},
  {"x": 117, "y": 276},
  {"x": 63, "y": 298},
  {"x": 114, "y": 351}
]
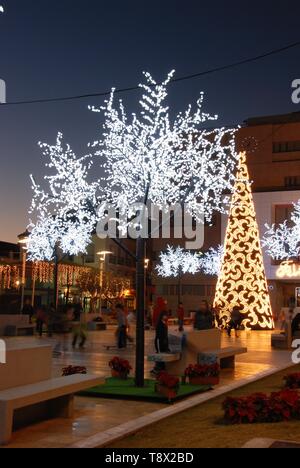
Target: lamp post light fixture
[
  {"x": 102, "y": 254},
  {"x": 23, "y": 242}
]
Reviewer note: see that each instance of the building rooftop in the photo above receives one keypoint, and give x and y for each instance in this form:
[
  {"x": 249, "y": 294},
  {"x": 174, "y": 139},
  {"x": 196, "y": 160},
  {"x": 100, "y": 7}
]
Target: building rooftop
[{"x": 273, "y": 119}]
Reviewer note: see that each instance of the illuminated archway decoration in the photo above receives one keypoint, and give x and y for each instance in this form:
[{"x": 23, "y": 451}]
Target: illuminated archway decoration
[{"x": 242, "y": 281}]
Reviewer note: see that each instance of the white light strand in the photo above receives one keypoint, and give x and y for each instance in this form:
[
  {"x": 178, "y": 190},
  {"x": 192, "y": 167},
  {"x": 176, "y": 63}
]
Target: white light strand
[
  {"x": 283, "y": 242},
  {"x": 65, "y": 212},
  {"x": 176, "y": 261},
  {"x": 174, "y": 161},
  {"x": 211, "y": 261}
]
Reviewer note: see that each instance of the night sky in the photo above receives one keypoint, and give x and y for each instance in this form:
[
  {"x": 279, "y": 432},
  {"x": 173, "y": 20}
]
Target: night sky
[{"x": 51, "y": 48}]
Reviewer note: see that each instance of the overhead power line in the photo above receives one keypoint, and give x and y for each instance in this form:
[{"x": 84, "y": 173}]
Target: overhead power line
[{"x": 174, "y": 80}]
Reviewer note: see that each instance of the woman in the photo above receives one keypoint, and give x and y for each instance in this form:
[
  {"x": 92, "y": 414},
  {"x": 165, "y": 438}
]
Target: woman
[
  {"x": 204, "y": 317},
  {"x": 161, "y": 338},
  {"x": 236, "y": 321}
]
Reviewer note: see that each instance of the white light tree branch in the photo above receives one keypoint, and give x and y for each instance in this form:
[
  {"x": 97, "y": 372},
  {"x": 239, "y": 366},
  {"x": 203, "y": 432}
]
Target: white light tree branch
[
  {"x": 176, "y": 261},
  {"x": 283, "y": 242},
  {"x": 175, "y": 161},
  {"x": 66, "y": 210},
  {"x": 211, "y": 261}
]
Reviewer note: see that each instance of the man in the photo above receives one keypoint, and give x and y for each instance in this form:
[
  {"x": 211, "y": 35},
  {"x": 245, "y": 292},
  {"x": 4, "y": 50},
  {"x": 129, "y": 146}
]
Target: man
[
  {"x": 122, "y": 326},
  {"x": 180, "y": 315},
  {"x": 204, "y": 317},
  {"x": 28, "y": 310}
]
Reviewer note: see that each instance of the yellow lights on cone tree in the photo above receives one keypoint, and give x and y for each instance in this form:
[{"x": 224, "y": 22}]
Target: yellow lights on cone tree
[{"x": 242, "y": 281}]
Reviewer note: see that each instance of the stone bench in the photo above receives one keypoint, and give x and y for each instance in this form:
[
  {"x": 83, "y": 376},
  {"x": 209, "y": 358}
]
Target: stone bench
[
  {"x": 226, "y": 356},
  {"x": 164, "y": 357},
  {"x": 19, "y": 321},
  {"x": 192, "y": 346},
  {"x": 21, "y": 406},
  {"x": 96, "y": 326},
  {"x": 19, "y": 330}
]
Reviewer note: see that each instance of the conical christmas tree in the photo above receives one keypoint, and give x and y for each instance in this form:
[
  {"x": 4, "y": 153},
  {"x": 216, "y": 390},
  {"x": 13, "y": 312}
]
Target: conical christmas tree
[{"x": 242, "y": 281}]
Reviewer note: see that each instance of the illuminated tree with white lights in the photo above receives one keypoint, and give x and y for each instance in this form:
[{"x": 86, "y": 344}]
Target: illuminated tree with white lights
[
  {"x": 65, "y": 211},
  {"x": 147, "y": 157},
  {"x": 283, "y": 242},
  {"x": 211, "y": 261},
  {"x": 175, "y": 262}
]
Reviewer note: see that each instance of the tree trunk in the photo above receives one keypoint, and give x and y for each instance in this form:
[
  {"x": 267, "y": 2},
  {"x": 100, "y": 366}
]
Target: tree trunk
[
  {"x": 55, "y": 278},
  {"x": 140, "y": 319}
]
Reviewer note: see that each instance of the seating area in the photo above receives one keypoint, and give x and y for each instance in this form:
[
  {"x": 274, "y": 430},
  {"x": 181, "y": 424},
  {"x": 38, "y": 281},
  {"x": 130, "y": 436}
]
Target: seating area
[
  {"x": 15, "y": 325},
  {"x": 28, "y": 393},
  {"x": 186, "y": 350}
]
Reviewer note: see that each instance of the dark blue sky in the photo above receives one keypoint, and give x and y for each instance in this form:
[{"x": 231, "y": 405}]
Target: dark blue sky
[{"x": 52, "y": 48}]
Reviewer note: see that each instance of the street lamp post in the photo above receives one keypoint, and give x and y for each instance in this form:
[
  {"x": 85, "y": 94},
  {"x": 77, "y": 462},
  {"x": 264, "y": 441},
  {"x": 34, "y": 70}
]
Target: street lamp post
[
  {"x": 23, "y": 242},
  {"x": 103, "y": 254}
]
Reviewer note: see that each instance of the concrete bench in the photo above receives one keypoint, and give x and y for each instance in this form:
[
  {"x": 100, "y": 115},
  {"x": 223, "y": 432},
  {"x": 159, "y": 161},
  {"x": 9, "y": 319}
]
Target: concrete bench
[
  {"x": 97, "y": 326},
  {"x": 20, "y": 321},
  {"x": 164, "y": 357},
  {"x": 19, "y": 330},
  {"x": 21, "y": 406},
  {"x": 195, "y": 344},
  {"x": 226, "y": 356}
]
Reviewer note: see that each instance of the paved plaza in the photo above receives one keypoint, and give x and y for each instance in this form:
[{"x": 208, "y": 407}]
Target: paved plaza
[{"x": 95, "y": 416}]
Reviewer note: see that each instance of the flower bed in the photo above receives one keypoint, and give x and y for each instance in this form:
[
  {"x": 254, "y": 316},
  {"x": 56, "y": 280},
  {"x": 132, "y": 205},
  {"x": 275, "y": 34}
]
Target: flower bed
[
  {"x": 120, "y": 368},
  {"x": 208, "y": 374},
  {"x": 73, "y": 370},
  {"x": 292, "y": 381},
  {"x": 261, "y": 408},
  {"x": 167, "y": 385}
]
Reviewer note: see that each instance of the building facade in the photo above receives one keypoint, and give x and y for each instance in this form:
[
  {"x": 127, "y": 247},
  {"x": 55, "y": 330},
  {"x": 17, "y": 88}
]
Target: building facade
[{"x": 273, "y": 148}]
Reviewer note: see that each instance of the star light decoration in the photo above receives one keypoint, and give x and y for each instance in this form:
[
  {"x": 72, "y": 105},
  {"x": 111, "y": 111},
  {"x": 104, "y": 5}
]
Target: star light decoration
[
  {"x": 283, "y": 242},
  {"x": 242, "y": 281},
  {"x": 65, "y": 212},
  {"x": 149, "y": 158},
  {"x": 211, "y": 261},
  {"x": 176, "y": 261}
]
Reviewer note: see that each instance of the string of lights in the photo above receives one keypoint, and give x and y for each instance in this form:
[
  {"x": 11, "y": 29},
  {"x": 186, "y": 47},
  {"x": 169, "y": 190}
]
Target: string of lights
[{"x": 174, "y": 80}]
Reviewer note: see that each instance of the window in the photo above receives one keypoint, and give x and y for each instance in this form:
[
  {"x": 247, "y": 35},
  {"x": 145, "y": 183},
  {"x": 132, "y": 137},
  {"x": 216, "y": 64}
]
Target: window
[
  {"x": 292, "y": 181},
  {"x": 90, "y": 256},
  {"x": 283, "y": 213},
  {"x": 286, "y": 146}
]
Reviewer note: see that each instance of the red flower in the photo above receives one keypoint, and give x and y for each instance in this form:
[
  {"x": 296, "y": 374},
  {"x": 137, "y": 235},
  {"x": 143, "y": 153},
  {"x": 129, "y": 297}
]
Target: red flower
[
  {"x": 168, "y": 380},
  {"x": 211, "y": 370},
  {"x": 292, "y": 381},
  {"x": 73, "y": 370},
  {"x": 120, "y": 365},
  {"x": 281, "y": 406}
]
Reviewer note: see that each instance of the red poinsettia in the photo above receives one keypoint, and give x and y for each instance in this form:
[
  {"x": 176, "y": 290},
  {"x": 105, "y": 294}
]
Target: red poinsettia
[
  {"x": 120, "y": 365},
  {"x": 261, "y": 408},
  {"x": 292, "y": 381},
  {"x": 197, "y": 370},
  {"x": 168, "y": 381},
  {"x": 73, "y": 370}
]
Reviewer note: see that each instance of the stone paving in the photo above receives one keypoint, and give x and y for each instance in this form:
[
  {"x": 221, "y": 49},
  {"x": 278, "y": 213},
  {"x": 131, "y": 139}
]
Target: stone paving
[{"x": 99, "y": 421}]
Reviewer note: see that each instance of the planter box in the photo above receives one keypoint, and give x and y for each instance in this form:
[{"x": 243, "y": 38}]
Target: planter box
[
  {"x": 119, "y": 375},
  {"x": 169, "y": 393},
  {"x": 204, "y": 380}
]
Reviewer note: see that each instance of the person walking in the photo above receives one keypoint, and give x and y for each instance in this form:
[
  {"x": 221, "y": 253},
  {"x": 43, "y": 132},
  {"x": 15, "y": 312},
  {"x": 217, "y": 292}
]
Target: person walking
[
  {"x": 180, "y": 315},
  {"x": 204, "y": 317},
  {"x": 80, "y": 331},
  {"x": 41, "y": 318},
  {"x": 161, "y": 337},
  {"x": 28, "y": 309},
  {"x": 122, "y": 326},
  {"x": 235, "y": 322},
  {"x": 51, "y": 316}
]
